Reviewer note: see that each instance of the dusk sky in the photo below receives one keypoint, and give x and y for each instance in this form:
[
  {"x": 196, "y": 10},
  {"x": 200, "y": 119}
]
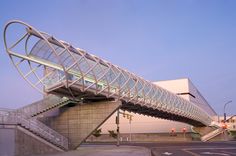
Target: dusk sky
[{"x": 158, "y": 40}]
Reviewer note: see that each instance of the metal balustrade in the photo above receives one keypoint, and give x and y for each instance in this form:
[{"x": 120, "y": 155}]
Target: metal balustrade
[
  {"x": 5, "y": 111},
  {"x": 212, "y": 134},
  {"x": 55, "y": 66},
  {"x": 43, "y": 105},
  {"x": 35, "y": 126}
]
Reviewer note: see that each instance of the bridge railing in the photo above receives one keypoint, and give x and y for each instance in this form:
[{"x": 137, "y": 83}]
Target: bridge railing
[{"x": 12, "y": 118}]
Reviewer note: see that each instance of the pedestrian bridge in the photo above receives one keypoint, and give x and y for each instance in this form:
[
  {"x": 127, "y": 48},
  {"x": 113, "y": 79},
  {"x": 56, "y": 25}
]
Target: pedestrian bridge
[{"x": 53, "y": 66}]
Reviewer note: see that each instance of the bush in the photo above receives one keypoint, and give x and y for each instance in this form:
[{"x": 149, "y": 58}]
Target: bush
[
  {"x": 97, "y": 132},
  {"x": 112, "y": 134},
  {"x": 233, "y": 134}
]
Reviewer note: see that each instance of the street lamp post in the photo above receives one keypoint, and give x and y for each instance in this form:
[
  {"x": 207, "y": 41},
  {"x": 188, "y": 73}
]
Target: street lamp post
[
  {"x": 224, "y": 109},
  {"x": 129, "y": 116},
  {"x": 184, "y": 131},
  {"x": 130, "y": 129},
  {"x": 118, "y": 128}
]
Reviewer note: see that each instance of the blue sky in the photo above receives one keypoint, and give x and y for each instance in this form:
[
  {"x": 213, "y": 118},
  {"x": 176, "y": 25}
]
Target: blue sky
[{"x": 157, "y": 40}]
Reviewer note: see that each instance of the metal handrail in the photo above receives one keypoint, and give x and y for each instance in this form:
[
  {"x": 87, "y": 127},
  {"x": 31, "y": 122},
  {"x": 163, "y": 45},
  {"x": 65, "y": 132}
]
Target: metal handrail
[
  {"x": 211, "y": 134},
  {"x": 39, "y": 106},
  {"x": 34, "y": 125}
]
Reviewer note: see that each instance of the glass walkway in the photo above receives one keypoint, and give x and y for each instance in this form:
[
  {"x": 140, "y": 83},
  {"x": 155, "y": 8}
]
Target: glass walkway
[{"x": 54, "y": 66}]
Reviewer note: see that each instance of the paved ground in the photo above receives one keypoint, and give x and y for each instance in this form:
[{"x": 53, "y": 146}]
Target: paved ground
[
  {"x": 192, "y": 149},
  {"x": 157, "y": 149},
  {"x": 114, "y": 151},
  {"x": 106, "y": 150},
  {"x": 189, "y": 148}
]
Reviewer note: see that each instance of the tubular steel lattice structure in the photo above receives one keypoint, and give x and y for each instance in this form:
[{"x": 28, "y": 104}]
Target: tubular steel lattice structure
[{"x": 54, "y": 66}]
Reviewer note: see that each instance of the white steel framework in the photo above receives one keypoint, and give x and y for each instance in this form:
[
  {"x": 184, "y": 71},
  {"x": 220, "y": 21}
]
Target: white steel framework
[{"x": 54, "y": 66}]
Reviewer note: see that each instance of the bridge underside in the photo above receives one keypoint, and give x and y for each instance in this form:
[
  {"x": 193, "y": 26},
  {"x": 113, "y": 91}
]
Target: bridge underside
[
  {"x": 157, "y": 113},
  {"x": 78, "y": 95},
  {"x": 87, "y": 97}
]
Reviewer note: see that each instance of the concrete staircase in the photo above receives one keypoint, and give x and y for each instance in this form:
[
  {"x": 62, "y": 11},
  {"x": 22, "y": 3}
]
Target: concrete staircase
[
  {"x": 34, "y": 126},
  {"x": 209, "y": 132},
  {"x": 65, "y": 128},
  {"x": 23, "y": 118},
  {"x": 212, "y": 134},
  {"x": 49, "y": 103}
]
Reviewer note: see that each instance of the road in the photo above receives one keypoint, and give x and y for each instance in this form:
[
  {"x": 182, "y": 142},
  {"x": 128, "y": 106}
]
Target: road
[
  {"x": 156, "y": 149},
  {"x": 191, "y": 148}
]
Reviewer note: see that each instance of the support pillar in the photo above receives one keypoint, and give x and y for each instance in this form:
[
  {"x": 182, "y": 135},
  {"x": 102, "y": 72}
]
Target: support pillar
[{"x": 78, "y": 122}]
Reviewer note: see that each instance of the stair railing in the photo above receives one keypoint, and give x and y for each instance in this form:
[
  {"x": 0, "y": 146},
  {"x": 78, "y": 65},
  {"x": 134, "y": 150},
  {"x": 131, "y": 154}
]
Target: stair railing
[
  {"x": 211, "y": 134},
  {"x": 35, "y": 126},
  {"x": 42, "y": 105}
]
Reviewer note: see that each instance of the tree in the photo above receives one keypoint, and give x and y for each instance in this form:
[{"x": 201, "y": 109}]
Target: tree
[{"x": 112, "y": 134}]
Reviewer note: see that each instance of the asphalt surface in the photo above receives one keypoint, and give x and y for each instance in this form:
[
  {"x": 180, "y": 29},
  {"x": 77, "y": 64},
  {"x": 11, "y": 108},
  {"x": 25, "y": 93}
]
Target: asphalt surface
[
  {"x": 191, "y": 148},
  {"x": 104, "y": 150},
  {"x": 154, "y": 149}
]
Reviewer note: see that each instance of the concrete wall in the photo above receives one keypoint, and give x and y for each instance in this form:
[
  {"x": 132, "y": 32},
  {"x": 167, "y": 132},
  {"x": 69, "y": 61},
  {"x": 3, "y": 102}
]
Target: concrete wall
[
  {"x": 16, "y": 141},
  {"x": 143, "y": 124},
  {"x": 145, "y": 137},
  {"x": 7, "y": 141},
  {"x": 204, "y": 130},
  {"x": 78, "y": 122},
  {"x": 26, "y": 144}
]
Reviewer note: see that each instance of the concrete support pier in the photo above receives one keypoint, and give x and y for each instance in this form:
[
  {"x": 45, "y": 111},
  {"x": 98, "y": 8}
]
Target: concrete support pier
[{"x": 79, "y": 121}]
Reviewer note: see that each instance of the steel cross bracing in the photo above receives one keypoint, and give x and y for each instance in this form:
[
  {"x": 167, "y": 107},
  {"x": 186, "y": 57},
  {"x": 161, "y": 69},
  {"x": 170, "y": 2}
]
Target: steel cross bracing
[{"x": 54, "y": 66}]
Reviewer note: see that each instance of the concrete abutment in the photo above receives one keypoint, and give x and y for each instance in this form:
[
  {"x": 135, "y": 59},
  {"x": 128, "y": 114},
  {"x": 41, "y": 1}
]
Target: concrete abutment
[{"x": 78, "y": 122}]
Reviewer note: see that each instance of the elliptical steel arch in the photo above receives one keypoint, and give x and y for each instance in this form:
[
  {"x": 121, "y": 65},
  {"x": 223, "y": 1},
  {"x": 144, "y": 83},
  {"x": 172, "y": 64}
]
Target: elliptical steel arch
[{"x": 64, "y": 65}]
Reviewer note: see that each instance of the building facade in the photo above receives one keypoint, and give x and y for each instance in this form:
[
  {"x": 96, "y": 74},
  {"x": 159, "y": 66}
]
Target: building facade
[{"x": 140, "y": 124}]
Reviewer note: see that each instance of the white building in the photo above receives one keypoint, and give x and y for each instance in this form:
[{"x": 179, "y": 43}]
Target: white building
[{"x": 146, "y": 124}]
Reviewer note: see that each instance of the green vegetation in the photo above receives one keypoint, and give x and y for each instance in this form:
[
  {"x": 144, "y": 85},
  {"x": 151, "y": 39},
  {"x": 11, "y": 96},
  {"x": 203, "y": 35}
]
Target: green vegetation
[
  {"x": 195, "y": 136},
  {"x": 233, "y": 134},
  {"x": 97, "y": 132},
  {"x": 112, "y": 134}
]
